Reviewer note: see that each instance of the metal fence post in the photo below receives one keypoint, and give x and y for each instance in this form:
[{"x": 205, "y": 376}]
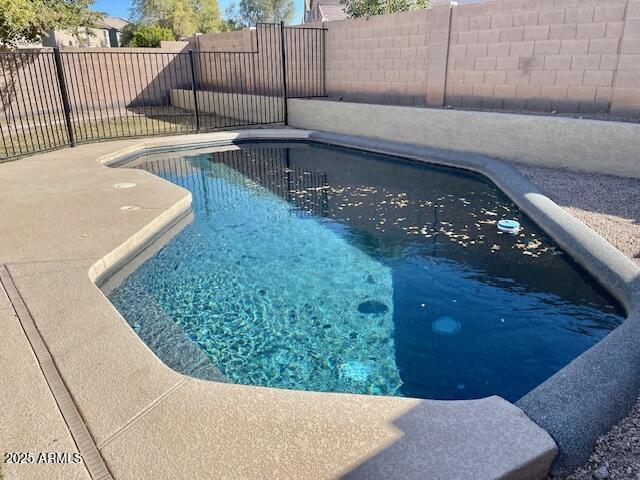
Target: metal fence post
[
  {"x": 284, "y": 72},
  {"x": 193, "y": 89},
  {"x": 452, "y": 4},
  {"x": 324, "y": 59},
  {"x": 64, "y": 94}
]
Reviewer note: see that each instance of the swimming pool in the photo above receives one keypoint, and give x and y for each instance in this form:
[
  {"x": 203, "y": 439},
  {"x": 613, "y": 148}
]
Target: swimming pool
[{"x": 322, "y": 268}]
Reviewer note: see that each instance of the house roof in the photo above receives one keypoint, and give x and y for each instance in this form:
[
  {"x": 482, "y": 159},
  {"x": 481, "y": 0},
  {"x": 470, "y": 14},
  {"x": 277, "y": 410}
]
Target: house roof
[
  {"x": 332, "y": 12},
  {"x": 328, "y": 9},
  {"x": 113, "y": 22}
]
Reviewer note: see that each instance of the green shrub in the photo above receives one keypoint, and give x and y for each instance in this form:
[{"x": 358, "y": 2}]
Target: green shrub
[
  {"x": 145, "y": 35},
  {"x": 365, "y": 8}
]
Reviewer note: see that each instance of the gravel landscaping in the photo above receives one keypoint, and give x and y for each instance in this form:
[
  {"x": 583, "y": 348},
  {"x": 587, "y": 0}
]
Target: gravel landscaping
[
  {"x": 616, "y": 455},
  {"x": 611, "y": 206}
]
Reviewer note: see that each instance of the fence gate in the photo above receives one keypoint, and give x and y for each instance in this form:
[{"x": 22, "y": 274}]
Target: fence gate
[
  {"x": 305, "y": 62},
  {"x": 236, "y": 88},
  {"x": 51, "y": 99}
]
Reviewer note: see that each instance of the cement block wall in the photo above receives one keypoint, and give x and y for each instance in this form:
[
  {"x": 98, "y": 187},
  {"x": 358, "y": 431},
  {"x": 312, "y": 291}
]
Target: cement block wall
[
  {"x": 555, "y": 56},
  {"x": 588, "y": 145},
  {"x": 626, "y": 94},
  {"x": 396, "y": 59},
  {"x": 536, "y": 55},
  {"x": 246, "y": 108},
  {"x": 577, "y": 56},
  {"x": 237, "y": 41}
]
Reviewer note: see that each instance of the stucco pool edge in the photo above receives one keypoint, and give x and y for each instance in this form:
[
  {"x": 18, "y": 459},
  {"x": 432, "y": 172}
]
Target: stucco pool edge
[{"x": 583, "y": 400}]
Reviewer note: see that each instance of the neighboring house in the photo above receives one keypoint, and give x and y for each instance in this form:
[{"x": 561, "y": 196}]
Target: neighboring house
[
  {"x": 106, "y": 35},
  {"x": 323, "y": 11}
]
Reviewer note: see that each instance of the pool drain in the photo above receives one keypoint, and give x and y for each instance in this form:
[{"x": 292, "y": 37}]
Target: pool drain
[{"x": 446, "y": 325}]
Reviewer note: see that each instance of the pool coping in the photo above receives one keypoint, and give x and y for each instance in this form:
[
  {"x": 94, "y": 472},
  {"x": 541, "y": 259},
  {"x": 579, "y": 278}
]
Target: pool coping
[{"x": 547, "y": 404}]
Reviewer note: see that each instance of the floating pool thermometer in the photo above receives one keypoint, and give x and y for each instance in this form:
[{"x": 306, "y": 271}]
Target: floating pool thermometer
[{"x": 509, "y": 226}]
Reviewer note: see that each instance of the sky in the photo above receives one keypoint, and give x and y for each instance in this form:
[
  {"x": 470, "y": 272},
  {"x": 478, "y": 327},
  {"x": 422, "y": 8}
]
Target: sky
[{"x": 120, "y": 8}]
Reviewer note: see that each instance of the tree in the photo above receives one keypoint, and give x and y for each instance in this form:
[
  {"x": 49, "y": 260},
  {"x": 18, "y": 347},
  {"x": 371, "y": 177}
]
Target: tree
[
  {"x": 269, "y": 11},
  {"x": 145, "y": 35},
  {"x": 364, "y": 8},
  {"x": 208, "y": 17},
  {"x": 28, "y": 20},
  {"x": 182, "y": 17},
  {"x": 231, "y": 20}
]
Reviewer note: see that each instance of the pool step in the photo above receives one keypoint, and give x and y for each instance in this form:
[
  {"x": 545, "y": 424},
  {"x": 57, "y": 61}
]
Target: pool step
[{"x": 171, "y": 344}]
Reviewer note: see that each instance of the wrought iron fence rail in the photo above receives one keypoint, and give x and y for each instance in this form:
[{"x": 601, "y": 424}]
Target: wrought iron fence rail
[{"x": 54, "y": 99}]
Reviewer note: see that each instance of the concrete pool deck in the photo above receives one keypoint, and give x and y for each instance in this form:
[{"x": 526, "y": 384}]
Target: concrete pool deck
[{"x": 63, "y": 229}]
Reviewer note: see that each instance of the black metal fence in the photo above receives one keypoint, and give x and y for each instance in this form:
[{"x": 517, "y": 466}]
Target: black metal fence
[
  {"x": 51, "y": 99},
  {"x": 305, "y": 61},
  {"x": 32, "y": 117},
  {"x": 114, "y": 94}
]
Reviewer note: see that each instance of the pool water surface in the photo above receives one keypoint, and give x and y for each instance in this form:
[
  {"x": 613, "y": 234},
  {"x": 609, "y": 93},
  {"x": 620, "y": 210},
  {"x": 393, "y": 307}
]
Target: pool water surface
[{"x": 321, "y": 268}]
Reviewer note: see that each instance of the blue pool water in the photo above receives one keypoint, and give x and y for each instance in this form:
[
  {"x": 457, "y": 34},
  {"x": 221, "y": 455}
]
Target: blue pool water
[{"x": 320, "y": 268}]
